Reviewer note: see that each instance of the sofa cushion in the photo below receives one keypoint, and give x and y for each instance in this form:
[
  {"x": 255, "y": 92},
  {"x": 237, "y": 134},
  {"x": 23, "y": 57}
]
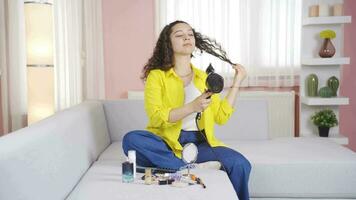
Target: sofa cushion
[
  {"x": 127, "y": 115},
  {"x": 113, "y": 152},
  {"x": 299, "y": 167},
  {"x": 103, "y": 181},
  {"x": 47, "y": 159},
  {"x": 123, "y": 116},
  {"x": 247, "y": 114}
]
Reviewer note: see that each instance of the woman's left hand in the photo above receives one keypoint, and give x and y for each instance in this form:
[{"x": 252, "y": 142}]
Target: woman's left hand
[{"x": 240, "y": 74}]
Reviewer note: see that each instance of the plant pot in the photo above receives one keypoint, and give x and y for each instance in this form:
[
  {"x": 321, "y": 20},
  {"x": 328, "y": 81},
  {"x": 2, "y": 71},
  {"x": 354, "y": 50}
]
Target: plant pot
[
  {"x": 324, "y": 131},
  {"x": 327, "y": 49}
]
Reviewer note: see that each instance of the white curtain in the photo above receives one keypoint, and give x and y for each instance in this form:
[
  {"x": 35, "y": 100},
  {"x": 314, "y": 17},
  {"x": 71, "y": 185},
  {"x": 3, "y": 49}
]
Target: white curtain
[
  {"x": 262, "y": 35},
  {"x": 13, "y": 65},
  {"x": 68, "y": 53},
  {"x": 94, "y": 50},
  {"x": 79, "y": 66}
]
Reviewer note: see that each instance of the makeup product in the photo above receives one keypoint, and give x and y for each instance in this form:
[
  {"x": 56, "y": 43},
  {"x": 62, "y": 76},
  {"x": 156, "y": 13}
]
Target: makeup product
[
  {"x": 155, "y": 170},
  {"x": 132, "y": 159},
  {"x": 198, "y": 180},
  {"x": 165, "y": 182},
  {"x": 148, "y": 176},
  {"x": 127, "y": 172}
]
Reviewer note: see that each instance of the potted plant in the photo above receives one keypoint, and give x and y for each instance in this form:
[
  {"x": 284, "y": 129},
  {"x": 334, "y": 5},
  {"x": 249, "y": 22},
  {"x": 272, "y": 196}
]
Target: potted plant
[
  {"x": 327, "y": 49},
  {"x": 324, "y": 119}
]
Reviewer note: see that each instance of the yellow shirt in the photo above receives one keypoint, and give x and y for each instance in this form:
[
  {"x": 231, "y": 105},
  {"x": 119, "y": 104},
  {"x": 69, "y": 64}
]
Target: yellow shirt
[{"x": 164, "y": 91}]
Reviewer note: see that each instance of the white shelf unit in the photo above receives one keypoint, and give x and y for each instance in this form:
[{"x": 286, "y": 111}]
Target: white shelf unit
[
  {"x": 319, "y": 101},
  {"x": 311, "y": 63},
  {"x": 326, "y": 20},
  {"x": 325, "y": 61}
]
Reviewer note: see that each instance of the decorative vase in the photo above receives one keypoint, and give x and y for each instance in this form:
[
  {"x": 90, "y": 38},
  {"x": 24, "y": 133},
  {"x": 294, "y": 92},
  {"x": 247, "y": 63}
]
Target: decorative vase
[
  {"x": 337, "y": 9},
  {"x": 333, "y": 84},
  {"x": 312, "y": 84},
  {"x": 327, "y": 49},
  {"x": 325, "y": 92},
  {"x": 314, "y": 11},
  {"x": 323, "y": 131}
]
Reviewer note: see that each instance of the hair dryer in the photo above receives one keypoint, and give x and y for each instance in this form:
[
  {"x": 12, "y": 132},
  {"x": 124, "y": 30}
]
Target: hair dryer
[{"x": 214, "y": 82}]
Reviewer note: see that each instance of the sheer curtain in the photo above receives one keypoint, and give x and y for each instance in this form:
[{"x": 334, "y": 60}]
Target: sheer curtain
[
  {"x": 13, "y": 65},
  {"x": 262, "y": 35},
  {"x": 68, "y": 53},
  {"x": 79, "y": 65},
  {"x": 94, "y": 50}
]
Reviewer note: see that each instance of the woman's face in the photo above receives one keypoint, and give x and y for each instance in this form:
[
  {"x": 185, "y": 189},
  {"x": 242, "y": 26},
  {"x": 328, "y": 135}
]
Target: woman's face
[{"x": 182, "y": 39}]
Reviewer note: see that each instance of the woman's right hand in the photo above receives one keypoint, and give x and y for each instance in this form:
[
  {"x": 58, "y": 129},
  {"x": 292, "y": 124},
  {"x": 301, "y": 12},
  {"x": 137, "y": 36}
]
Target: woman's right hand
[{"x": 200, "y": 103}]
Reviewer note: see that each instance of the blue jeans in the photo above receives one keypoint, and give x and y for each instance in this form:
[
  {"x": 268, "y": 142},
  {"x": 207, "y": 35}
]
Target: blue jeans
[{"x": 152, "y": 151}]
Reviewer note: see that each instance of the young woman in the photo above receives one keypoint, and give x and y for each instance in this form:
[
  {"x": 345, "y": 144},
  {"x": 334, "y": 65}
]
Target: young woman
[{"x": 174, "y": 94}]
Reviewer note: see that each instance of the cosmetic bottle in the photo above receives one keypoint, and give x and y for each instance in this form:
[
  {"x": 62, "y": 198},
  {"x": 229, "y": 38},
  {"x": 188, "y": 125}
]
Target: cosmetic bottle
[
  {"x": 127, "y": 172},
  {"x": 132, "y": 159},
  {"x": 148, "y": 176}
]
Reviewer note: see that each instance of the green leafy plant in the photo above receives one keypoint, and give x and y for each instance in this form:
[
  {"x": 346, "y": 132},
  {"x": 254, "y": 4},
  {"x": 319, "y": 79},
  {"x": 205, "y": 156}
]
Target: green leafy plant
[
  {"x": 327, "y": 34},
  {"x": 325, "y": 118}
]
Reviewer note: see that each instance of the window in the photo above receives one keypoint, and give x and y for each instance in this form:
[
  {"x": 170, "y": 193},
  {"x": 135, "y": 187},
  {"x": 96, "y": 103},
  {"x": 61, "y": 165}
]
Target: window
[{"x": 262, "y": 35}]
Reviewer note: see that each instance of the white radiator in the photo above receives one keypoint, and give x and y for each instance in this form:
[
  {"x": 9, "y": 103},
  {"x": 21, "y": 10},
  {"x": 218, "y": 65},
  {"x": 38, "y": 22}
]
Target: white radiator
[{"x": 281, "y": 108}]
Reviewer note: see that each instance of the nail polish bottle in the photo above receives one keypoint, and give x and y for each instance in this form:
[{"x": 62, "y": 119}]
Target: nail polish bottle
[{"x": 127, "y": 172}]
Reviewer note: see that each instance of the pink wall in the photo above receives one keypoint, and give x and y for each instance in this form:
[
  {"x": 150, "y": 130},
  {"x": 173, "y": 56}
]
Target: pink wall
[
  {"x": 128, "y": 42},
  {"x": 348, "y": 82},
  {"x": 1, "y": 124}
]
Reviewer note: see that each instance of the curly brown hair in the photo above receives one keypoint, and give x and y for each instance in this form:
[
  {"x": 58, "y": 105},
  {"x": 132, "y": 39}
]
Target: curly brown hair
[{"x": 162, "y": 57}]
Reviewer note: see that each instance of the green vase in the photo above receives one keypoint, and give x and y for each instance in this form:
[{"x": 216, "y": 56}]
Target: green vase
[
  {"x": 325, "y": 92},
  {"x": 333, "y": 84},
  {"x": 312, "y": 84}
]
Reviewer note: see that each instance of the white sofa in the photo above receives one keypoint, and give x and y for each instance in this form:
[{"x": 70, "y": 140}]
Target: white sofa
[{"x": 77, "y": 154}]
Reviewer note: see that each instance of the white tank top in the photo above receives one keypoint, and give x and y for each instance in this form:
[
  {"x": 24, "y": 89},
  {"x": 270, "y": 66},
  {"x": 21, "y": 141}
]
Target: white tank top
[{"x": 191, "y": 92}]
